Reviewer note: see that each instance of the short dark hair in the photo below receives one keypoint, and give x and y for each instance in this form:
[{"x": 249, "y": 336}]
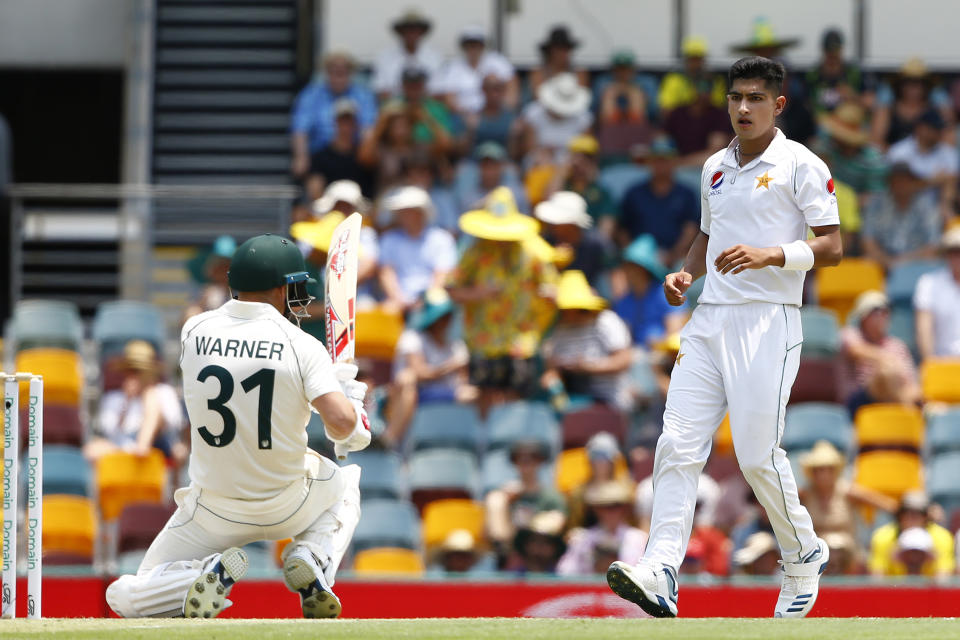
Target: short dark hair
[{"x": 770, "y": 71}]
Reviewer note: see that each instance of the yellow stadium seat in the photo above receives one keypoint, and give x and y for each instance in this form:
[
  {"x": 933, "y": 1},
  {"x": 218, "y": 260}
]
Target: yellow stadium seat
[
  {"x": 723, "y": 438},
  {"x": 941, "y": 380},
  {"x": 377, "y": 333},
  {"x": 388, "y": 560},
  {"x": 839, "y": 286},
  {"x": 69, "y": 525},
  {"x": 889, "y": 472},
  {"x": 573, "y": 469},
  {"x": 440, "y": 517},
  {"x": 889, "y": 425},
  {"x": 62, "y": 375},
  {"x": 123, "y": 478}
]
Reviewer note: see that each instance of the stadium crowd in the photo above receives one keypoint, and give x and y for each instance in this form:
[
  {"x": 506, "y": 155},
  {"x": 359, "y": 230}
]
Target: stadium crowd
[{"x": 513, "y": 330}]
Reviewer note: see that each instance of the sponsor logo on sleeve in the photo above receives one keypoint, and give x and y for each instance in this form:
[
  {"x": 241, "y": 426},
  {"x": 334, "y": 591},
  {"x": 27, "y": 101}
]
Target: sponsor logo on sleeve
[{"x": 715, "y": 181}]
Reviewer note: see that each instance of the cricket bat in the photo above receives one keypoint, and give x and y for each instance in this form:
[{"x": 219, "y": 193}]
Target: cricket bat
[{"x": 340, "y": 291}]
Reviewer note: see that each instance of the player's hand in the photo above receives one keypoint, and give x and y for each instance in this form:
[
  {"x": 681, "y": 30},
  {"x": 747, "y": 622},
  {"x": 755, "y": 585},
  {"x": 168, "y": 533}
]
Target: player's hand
[
  {"x": 675, "y": 285},
  {"x": 359, "y": 439},
  {"x": 740, "y": 257},
  {"x": 344, "y": 371}
]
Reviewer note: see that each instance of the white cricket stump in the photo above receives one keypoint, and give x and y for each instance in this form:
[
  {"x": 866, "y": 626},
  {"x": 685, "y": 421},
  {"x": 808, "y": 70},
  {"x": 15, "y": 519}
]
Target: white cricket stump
[{"x": 34, "y": 495}]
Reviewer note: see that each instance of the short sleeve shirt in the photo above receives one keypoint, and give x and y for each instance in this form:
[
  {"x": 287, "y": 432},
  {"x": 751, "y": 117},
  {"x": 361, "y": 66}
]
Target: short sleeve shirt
[
  {"x": 939, "y": 294},
  {"x": 416, "y": 260},
  {"x": 662, "y": 216}
]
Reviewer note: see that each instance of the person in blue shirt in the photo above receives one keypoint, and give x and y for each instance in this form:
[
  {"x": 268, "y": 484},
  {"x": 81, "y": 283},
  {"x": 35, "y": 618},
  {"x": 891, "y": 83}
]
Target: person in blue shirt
[
  {"x": 644, "y": 308},
  {"x": 313, "y": 120},
  {"x": 668, "y": 211}
]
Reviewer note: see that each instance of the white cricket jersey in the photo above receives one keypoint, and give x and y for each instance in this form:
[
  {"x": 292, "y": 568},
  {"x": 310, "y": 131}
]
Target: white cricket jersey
[
  {"x": 768, "y": 202},
  {"x": 249, "y": 376}
]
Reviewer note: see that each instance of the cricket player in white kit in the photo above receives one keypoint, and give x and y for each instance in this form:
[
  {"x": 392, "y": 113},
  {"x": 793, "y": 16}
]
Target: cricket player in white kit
[
  {"x": 740, "y": 351},
  {"x": 250, "y": 380}
]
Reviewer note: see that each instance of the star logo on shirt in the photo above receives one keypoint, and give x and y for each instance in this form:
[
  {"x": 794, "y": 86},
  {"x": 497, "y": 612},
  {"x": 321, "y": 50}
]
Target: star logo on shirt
[
  {"x": 680, "y": 355},
  {"x": 764, "y": 180}
]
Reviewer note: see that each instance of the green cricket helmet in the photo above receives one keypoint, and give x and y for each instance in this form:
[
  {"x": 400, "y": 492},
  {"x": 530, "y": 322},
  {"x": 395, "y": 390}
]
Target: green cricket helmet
[{"x": 268, "y": 261}]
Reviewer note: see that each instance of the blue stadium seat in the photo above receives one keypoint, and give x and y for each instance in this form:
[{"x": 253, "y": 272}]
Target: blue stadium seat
[
  {"x": 514, "y": 421},
  {"x": 943, "y": 480},
  {"x": 65, "y": 471},
  {"x": 45, "y": 323},
  {"x": 387, "y": 523},
  {"x": 903, "y": 326},
  {"x": 118, "y": 322},
  {"x": 821, "y": 332},
  {"x": 811, "y": 421},
  {"x": 693, "y": 293},
  {"x": 443, "y": 473},
  {"x": 902, "y": 280},
  {"x": 943, "y": 432},
  {"x": 445, "y": 425},
  {"x": 382, "y": 474},
  {"x": 617, "y": 178},
  {"x": 496, "y": 470}
]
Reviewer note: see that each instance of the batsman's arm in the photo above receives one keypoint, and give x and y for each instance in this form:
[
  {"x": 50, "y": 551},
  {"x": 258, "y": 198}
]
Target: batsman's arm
[{"x": 337, "y": 413}]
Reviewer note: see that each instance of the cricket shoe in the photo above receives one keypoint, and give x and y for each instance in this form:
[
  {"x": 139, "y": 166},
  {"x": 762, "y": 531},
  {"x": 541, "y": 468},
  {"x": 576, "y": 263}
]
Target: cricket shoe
[
  {"x": 207, "y": 596},
  {"x": 801, "y": 581},
  {"x": 648, "y": 584},
  {"x": 303, "y": 574}
]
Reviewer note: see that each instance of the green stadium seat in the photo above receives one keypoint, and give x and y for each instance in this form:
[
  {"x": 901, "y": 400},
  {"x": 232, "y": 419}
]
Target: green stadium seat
[
  {"x": 902, "y": 280},
  {"x": 943, "y": 432},
  {"x": 45, "y": 323},
  {"x": 387, "y": 523},
  {"x": 442, "y": 473},
  {"x": 808, "y": 422},
  {"x": 445, "y": 425},
  {"x": 66, "y": 471},
  {"x": 522, "y": 420},
  {"x": 821, "y": 333},
  {"x": 118, "y": 322}
]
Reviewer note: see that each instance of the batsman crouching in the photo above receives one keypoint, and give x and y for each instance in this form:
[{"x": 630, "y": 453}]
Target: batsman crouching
[{"x": 250, "y": 380}]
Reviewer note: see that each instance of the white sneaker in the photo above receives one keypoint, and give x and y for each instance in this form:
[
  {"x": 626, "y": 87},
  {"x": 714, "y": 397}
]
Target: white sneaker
[
  {"x": 207, "y": 596},
  {"x": 649, "y": 584},
  {"x": 303, "y": 574},
  {"x": 801, "y": 581}
]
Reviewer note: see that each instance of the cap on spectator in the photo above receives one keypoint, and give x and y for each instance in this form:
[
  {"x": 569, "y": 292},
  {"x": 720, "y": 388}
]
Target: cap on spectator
[
  {"x": 602, "y": 446},
  {"x": 662, "y": 146},
  {"x": 532, "y": 447},
  {"x": 499, "y": 219},
  {"x": 559, "y": 36},
  {"x": 574, "y": 292},
  {"x": 915, "y": 539},
  {"x": 866, "y": 303},
  {"x": 932, "y": 118},
  {"x": 344, "y": 107},
  {"x": 412, "y": 18},
  {"x": 224, "y": 247},
  {"x": 317, "y": 233},
  {"x": 951, "y": 240},
  {"x": 563, "y": 95},
  {"x": 757, "y": 545},
  {"x": 901, "y": 169},
  {"x": 436, "y": 305},
  {"x": 846, "y": 124},
  {"x": 914, "y": 501},
  {"x": 564, "y": 207},
  {"x": 458, "y": 540},
  {"x": 490, "y": 150},
  {"x": 694, "y": 47},
  {"x": 839, "y": 541},
  {"x": 608, "y": 493},
  {"x": 585, "y": 144},
  {"x": 914, "y": 68},
  {"x": 643, "y": 252},
  {"x": 473, "y": 33},
  {"x": 414, "y": 73},
  {"x": 832, "y": 40},
  {"x": 763, "y": 37},
  {"x": 823, "y": 454},
  {"x": 623, "y": 58},
  {"x": 410, "y": 198},
  {"x": 340, "y": 191}
]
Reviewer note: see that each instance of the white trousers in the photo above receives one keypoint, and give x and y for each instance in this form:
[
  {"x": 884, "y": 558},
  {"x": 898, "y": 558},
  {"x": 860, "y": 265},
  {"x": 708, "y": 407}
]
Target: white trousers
[
  {"x": 320, "y": 513},
  {"x": 742, "y": 359}
]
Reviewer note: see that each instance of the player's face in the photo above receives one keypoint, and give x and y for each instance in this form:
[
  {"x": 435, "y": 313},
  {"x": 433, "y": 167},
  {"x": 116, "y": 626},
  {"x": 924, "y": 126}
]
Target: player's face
[{"x": 752, "y": 107}]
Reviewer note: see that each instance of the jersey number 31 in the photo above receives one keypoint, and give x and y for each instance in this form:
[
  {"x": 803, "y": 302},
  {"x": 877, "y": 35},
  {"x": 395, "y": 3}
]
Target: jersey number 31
[{"x": 263, "y": 379}]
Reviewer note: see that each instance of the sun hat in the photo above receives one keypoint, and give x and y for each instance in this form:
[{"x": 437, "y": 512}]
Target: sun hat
[
  {"x": 915, "y": 500},
  {"x": 951, "y": 240},
  {"x": 223, "y": 249},
  {"x": 490, "y": 150},
  {"x": 845, "y": 124},
  {"x": 585, "y": 144},
  {"x": 473, "y": 33},
  {"x": 412, "y": 18},
  {"x": 756, "y": 546},
  {"x": 340, "y": 191},
  {"x": 140, "y": 356},
  {"x": 559, "y": 36},
  {"x": 499, "y": 219},
  {"x": 823, "y": 454},
  {"x": 763, "y": 37},
  {"x": 643, "y": 252},
  {"x": 622, "y": 58},
  {"x": 436, "y": 304},
  {"x": 602, "y": 445},
  {"x": 608, "y": 493},
  {"x": 564, "y": 207},
  {"x": 459, "y": 540},
  {"x": 574, "y": 292},
  {"x": 563, "y": 95},
  {"x": 410, "y": 197},
  {"x": 865, "y": 304},
  {"x": 914, "y": 68},
  {"x": 832, "y": 40},
  {"x": 317, "y": 233},
  {"x": 694, "y": 47}
]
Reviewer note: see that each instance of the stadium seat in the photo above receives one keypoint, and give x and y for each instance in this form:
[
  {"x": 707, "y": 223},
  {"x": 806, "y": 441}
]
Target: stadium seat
[
  {"x": 445, "y": 425},
  {"x": 580, "y": 426},
  {"x": 821, "y": 335},
  {"x": 723, "y": 437},
  {"x": 117, "y": 323},
  {"x": 643, "y": 381},
  {"x": 61, "y": 425},
  {"x": 139, "y": 524},
  {"x": 903, "y": 326},
  {"x": 522, "y": 421},
  {"x": 889, "y": 472},
  {"x": 51, "y": 324},
  {"x": 573, "y": 469},
  {"x": 388, "y": 561},
  {"x": 69, "y": 526},
  {"x": 943, "y": 480},
  {"x": 618, "y": 178},
  {"x": 943, "y": 431},
  {"x": 442, "y": 473},
  {"x": 377, "y": 333},
  {"x": 818, "y": 380},
  {"x": 443, "y": 516},
  {"x": 888, "y": 425},
  {"x": 382, "y": 474},
  {"x": 123, "y": 478},
  {"x": 387, "y": 523},
  {"x": 903, "y": 278},
  {"x": 839, "y": 286},
  {"x": 941, "y": 380},
  {"x": 62, "y": 374},
  {"x": 65, "y": 471},
  {"x": 808, "y": 422}
]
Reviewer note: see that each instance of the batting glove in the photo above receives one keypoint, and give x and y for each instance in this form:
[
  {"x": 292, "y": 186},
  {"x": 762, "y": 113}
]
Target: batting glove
[{"x": 359, "y": 439}]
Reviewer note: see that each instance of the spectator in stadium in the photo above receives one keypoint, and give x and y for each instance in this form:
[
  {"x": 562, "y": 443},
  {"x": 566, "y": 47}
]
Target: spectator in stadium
[
  {"x": 539, "y": 544},
  {"x": 936, "y": 301},
  {"x": 144, "y": 413},
  {"x": 622, "y": 100},
  {"x": 461, "y": 79},
  {"x": 388, "y": 144},
  {"x": 499, "y": 282},
  {"x": 579, "y": 173},
  {"x": 568, "y": 227},
  {"x": 589, "y": 350},
  {"x": 877, "y": 367},
  {"x": 661, "y": 207},
  {"x": 213, "y": 266},
  {"x": 887, "y": 545},
  {"x": 834, "y": 81},
  {"x": 592, "y": 549},
  {"x": 495, "y": 121},
  {"x": 314, "y": 118},
  {"x": 606, "y": 465},
  {"x": 459, "y": 553},
  {"x": 556, "y": 58},
  {"x": 760, "y": 556},
  {"x": 643, "y": 307},
  {"x": 434, "y": 124},
  {"x": 898, "y": 107},
  {"x": 903, "y": 223},
  {"x": 560, "y": 113},
  {"x": 679, "y": 88},
  {"x": 411, "y": 51},
  {"x": 843, "y": 145},
  {"x": 338, "y": 160},
  {"x": 699, "y": 128},
  {"x": 415, "y": 255},
  {"x": 753, "y": 520},
  {"x": 844, "y": 557},
  {"x": 490, "y": 168},
  {"x": 428, "y": 366},
  {"x": 930, "y": 158},
  {"x": 432, "y": 174}
]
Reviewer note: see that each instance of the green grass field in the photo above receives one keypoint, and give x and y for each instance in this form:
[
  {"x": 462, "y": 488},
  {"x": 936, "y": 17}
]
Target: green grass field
[{"x": 489, "y": 629}]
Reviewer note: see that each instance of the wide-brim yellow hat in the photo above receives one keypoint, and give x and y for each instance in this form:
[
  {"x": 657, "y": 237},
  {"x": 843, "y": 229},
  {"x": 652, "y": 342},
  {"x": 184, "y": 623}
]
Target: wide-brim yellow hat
[
  {"x": 823, "y": 454},
  {"x": 546, "y": 253},
  {"x": 574, "y": 292},
  {"x": 499, "y": 219},
  {"x": 317, "y": 233}
]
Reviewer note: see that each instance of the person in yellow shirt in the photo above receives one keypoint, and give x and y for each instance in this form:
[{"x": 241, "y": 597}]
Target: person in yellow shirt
[
  {"x": 900, "y": 548},
  {"x": 679, "y": 88}
]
